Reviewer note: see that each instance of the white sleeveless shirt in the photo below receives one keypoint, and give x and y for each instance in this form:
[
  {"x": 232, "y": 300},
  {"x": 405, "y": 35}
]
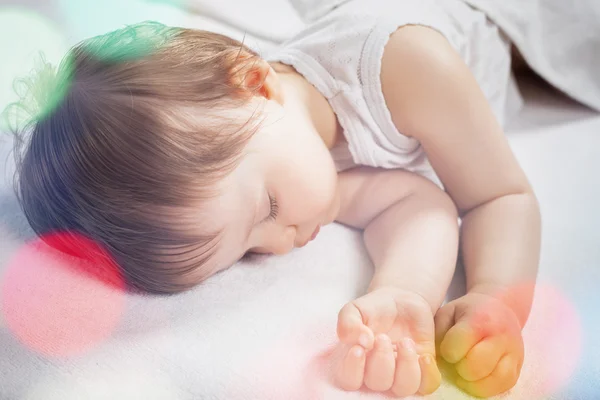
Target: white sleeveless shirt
[{"x": 340, "y": 53}]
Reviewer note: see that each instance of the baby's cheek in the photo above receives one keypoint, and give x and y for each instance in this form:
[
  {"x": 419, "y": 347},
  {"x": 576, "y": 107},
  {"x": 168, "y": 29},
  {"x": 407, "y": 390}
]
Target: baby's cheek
[
  {"x": 308, "y": 175},
  {"x": 320, "y": 176}
]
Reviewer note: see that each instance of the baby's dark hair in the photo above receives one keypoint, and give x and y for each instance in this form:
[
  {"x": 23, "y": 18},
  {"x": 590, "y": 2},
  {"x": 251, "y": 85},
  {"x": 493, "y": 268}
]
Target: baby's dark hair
[{"x": 125, "y": 139}]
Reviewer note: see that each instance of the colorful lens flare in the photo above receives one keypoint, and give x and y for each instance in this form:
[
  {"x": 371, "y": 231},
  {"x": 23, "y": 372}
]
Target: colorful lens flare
[
  {"x": 23, "y": 36},
  {"x": 553, "y": 339},
  {"x": 58, "y": 306},
  {"x": 87, "y": 18}
]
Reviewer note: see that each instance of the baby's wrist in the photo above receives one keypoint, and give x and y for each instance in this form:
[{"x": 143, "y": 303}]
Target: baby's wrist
[
  {"x": 423, "y": 296},
  {"x": 489, "y": 289},
  {"x": 518, "y": 301}
]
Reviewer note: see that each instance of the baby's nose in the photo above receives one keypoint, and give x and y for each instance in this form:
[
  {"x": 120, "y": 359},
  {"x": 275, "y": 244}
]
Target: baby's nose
[{"x": 285, "y": 242}]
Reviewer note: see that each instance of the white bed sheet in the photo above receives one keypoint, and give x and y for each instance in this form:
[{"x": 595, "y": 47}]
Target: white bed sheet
[{"x": 264, "y": 329}]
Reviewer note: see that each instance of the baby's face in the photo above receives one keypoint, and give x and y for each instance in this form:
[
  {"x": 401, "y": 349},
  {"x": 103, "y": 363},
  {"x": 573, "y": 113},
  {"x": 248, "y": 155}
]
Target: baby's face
[{"x": 283, "y": 190}]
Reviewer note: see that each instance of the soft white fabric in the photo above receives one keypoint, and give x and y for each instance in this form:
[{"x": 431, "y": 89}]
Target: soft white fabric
[
  {"x": 559, "y": 39},
  {"x": 262, "y": 330},
  {"x": 311, "y": 10},
  {"x": 261, "y": 18},
  {"x": 340, "y": 54}
]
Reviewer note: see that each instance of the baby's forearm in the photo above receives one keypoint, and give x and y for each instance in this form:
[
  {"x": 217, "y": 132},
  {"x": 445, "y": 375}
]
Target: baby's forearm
[
  {"x": 413, "y": 245},
  {"x": 501, "y": 249}
]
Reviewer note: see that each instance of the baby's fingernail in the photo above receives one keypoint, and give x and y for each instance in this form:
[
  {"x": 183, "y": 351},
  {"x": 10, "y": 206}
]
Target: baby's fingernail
[
  {"x": 428, "y": 359},
  {"x": 363, "y": 340},
  {"x": 408, "y": 344},
  {"x": 358, "y": 352}
]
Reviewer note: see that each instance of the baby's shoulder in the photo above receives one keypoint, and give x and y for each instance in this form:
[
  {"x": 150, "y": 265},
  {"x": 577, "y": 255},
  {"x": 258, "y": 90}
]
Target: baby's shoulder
[{"x": 345, "y": 41}]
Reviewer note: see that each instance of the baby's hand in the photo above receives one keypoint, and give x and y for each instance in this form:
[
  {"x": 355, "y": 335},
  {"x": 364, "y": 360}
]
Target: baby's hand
[
  {"x": 481, "y": 336},
  {"x": 401, "y": 357}
]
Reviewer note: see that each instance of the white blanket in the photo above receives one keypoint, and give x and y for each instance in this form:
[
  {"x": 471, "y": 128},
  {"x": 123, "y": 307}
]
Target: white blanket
[
  {"x": 265, "y": 328},
  {"x": 559, "y": 39}
]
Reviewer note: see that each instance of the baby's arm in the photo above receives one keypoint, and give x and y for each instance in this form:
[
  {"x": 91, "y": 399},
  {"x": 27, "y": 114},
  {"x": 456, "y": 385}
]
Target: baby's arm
[
  {"x": 433, "y": 97},
  {"x": 411, "y": 233},
  {"x": 410, "y": 229}
]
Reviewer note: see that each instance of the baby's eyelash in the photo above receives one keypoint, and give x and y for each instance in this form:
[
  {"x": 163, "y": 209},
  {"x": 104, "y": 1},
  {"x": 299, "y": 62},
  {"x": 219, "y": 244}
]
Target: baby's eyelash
[{"x": 274, "y": 209}]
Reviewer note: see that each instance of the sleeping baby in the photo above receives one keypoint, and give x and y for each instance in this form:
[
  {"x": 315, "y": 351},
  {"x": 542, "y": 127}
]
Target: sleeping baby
[{"x": 179, "y": 151}]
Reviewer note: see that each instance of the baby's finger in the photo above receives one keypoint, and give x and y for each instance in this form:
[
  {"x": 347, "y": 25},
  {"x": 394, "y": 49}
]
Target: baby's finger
[
  {"x": 502, "y": 379},
  {"x": 482, "y": 359},
  {"x": 351, "y": 373},
  {"x": 380, "y": 365},
  {"x": 407, "y": 377},
  {"x": 351, "y": 329},
  {"x": 431, "y": 378},
  {"x": 444, "y": 320},
  {"x": 458, "y": 341}
]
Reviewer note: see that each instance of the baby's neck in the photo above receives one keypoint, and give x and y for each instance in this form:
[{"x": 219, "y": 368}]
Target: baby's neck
[{"x": 299, "y": 93}]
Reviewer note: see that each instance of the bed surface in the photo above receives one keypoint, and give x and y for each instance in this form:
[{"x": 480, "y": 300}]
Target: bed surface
[{"x": 265, "y": 328}]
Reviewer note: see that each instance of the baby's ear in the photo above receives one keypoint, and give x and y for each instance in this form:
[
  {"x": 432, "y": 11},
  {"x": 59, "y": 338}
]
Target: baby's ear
[{"x": 260, "y": 79}]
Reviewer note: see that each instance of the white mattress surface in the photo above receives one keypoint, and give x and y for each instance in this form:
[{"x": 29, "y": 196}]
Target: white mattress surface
[{"x": 265, "y": 328}]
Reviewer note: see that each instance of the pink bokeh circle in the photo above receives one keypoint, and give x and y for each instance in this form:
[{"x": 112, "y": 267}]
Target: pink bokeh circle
[
  {"x": 553, "y": 342},
  {"x": 60, "y": 306}
]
